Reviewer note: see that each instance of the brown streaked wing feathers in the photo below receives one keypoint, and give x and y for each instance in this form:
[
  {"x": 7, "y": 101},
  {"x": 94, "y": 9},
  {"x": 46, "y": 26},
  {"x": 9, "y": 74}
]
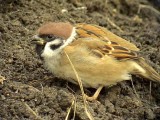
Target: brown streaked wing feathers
[
  {"x": 101, "y": 43},
  {"x": 105, "y": 34}
]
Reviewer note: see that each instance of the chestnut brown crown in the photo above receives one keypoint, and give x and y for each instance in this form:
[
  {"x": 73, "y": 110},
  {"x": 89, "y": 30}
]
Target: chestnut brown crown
[{"x": 59, "y": 29}]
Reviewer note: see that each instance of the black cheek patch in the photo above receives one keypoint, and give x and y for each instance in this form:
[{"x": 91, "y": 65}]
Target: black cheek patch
[{"x": 54, "y": 47}]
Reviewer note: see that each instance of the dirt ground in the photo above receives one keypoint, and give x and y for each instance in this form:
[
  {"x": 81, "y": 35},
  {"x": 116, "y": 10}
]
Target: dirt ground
[{"x": 32, "y": 93}]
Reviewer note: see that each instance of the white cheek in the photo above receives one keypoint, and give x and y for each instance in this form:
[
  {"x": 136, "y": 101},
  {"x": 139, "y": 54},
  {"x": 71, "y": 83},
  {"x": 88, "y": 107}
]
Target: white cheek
[{"x": 48, "y": 52}]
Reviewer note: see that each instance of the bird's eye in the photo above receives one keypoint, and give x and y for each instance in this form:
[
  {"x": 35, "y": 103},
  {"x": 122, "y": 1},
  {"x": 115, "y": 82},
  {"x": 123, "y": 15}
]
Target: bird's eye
[{"x": 50, "y": 37}]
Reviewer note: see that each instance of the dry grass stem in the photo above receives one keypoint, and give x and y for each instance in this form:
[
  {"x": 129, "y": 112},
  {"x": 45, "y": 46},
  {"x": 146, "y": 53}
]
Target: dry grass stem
[
  {"x": 75, "y": 106},
  {"x": 69, "y": 110},
  {"x": 134, "y": 89},
  {"x": 114, "y": 25},
  {"x": 30, "y": 110},
  {"x": 70, "y": 89},
  {"x": 148, "y": 7},
  {"x": 139, "y": 102},
  {"x": 150, "y": 90},
  {"x": 81, "y": 87}
]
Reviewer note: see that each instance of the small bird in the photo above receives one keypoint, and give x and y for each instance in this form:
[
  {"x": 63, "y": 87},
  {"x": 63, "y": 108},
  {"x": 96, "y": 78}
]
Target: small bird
[{"x": 100, "y": 57}]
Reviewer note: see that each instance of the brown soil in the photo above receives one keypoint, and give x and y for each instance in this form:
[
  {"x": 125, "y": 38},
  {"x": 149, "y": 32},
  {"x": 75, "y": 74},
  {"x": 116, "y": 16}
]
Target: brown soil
[{"x": 31, "y": 92}]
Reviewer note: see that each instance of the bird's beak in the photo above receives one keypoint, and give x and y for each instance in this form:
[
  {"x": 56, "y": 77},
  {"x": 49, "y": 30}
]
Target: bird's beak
[{"x": 37, "y": 40}]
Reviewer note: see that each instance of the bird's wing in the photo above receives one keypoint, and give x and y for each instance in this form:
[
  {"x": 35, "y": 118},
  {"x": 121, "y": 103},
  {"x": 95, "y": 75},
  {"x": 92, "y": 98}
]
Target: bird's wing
[{"x": 103, "y": 42}]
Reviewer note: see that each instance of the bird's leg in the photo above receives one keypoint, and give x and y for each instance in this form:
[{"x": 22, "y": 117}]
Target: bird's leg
[{"x": 94, "y": 97}]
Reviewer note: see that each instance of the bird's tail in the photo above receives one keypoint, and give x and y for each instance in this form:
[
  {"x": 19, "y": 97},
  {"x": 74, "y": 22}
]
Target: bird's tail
[{"x": 149, "y": 73}]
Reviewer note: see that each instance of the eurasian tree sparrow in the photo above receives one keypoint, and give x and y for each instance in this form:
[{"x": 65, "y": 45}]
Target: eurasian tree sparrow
[{"x": 100, "y": 57}]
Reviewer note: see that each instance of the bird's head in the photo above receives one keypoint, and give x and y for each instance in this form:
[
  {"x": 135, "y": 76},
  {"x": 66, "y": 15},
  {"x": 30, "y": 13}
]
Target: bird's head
[{"x": 52, "y": 37}]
